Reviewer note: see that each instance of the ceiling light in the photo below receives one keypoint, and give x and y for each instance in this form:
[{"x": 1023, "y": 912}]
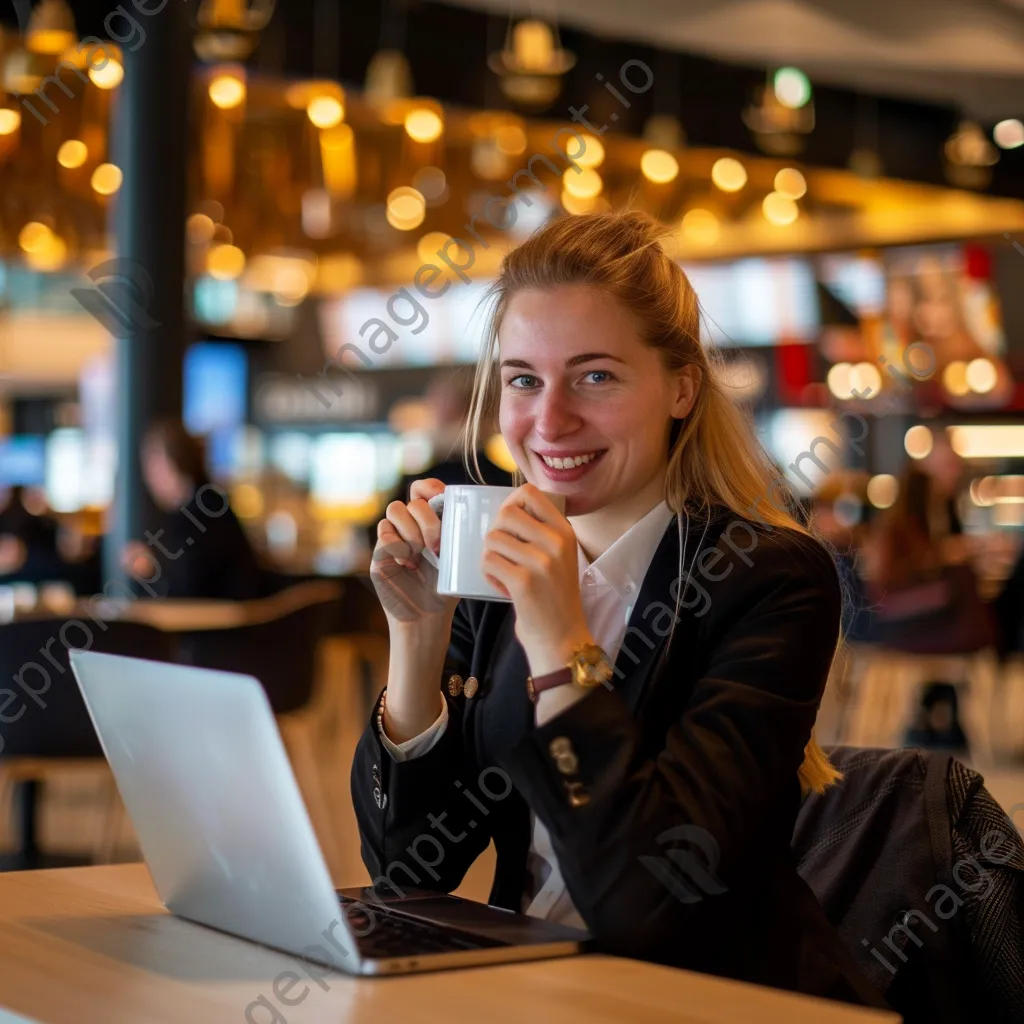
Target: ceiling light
[
  {"x": 779, "y": 209},
  {"x": 790, "y": 182},
  {"x": 659, "y": 166},
  {"x": 883, "y": 490},
  {"x": 10, "y": 120},
  {"x": 728, "y": 174},
  {"x": 585, "y": 184},
  {"x": 918, "y": 441},
  {"x": 325, "y": 111},
  {"x": 1009, "y": 134},
  {"x": 72, "y": 154},
  {"x": 423, "y": 124},
  {"x": 106, "y": 179},
  {"x": 792, "y": 88},
  {"x": 227, "y": 91},
  {"x": 225, "y": 262},
  {"x": 701, "y": 227}
]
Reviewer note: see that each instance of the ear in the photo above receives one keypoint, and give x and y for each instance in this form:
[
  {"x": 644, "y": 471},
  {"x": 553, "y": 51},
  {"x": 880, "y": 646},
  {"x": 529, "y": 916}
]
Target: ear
[{"x": 687, "y": 384}]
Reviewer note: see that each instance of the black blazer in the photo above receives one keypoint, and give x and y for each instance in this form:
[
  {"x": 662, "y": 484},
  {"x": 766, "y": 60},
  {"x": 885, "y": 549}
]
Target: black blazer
[{"x": 699, "y": 742}]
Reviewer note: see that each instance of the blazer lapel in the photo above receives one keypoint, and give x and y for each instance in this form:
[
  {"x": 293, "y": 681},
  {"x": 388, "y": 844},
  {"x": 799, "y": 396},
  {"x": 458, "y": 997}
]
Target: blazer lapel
[{"x": 644, "y": 646}]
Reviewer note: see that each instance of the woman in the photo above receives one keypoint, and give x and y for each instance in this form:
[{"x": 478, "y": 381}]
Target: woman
[
  {"x": 200, "y": 549},
  {"x": 926, "y": 600},
  {"x": 700, "y": 743}
]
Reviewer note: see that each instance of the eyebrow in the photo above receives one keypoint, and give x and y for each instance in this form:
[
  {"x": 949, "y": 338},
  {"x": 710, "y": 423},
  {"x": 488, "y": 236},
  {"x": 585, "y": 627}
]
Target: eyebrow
[{"x": 585, "y": 357}]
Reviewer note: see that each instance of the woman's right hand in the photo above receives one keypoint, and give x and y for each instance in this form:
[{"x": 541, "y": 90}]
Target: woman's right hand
[{"x": 405, "y": 582}]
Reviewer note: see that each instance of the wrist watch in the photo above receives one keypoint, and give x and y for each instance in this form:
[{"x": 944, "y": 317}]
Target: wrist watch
[{"x": 588, "y": 667}]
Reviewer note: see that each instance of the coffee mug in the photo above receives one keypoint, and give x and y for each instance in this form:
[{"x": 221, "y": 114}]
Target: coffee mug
[{"x": 467, "y": 512}]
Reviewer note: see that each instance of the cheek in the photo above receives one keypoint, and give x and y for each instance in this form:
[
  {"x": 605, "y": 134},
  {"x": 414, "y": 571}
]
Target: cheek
[{"x": 514, "y": 423}]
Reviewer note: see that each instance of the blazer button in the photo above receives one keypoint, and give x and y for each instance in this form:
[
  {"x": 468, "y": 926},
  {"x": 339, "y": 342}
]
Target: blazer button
[
  {"x": 471, "y": 687},
  {"x": 560, "y": 746},
  {"x": 578, "y": 796},
  {"x": 567, "y": 763},
  {"x": 455, "y": 685}
]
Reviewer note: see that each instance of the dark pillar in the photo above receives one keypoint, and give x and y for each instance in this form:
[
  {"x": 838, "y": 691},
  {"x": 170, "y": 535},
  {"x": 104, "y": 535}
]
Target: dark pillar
[{"x": 150, "y": 147}]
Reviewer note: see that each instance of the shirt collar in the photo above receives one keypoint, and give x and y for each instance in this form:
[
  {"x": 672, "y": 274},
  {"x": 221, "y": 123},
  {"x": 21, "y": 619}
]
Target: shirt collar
[{"x": 624, "y": 565}]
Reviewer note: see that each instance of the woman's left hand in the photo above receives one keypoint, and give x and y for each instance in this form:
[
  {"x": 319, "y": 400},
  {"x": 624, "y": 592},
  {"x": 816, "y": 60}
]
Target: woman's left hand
[{"x": 530, "y": 555}]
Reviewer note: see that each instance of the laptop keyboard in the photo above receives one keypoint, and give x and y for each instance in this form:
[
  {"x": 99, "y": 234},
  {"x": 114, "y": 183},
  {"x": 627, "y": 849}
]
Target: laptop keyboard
[{"x": 382, "y": 934}]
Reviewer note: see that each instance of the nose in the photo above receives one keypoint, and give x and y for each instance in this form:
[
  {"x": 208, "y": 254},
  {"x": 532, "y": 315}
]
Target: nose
[{"x": 554, "y": 415}]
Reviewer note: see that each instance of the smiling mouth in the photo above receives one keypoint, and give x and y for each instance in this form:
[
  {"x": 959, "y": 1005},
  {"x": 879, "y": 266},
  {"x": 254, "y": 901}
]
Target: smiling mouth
[{"x": 570, "y": 461}]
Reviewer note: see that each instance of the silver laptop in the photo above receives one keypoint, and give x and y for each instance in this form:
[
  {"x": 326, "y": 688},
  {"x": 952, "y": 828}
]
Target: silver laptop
[{"x": 204, "y": 775}]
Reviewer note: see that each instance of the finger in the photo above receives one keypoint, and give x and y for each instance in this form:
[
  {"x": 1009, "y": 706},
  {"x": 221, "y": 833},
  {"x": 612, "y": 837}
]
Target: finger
[
  {"x": 537, "y": 504},
  {"x": 428, "y": 522},
  {"x": 391, "y": 546},
  {"x": 517, "y": 521},
  {"x": 518, "y": 552},
  {"x": 426, "y": 488},
  {"x": 503, "y": 572},
  {"x": 408, "y": 529}
]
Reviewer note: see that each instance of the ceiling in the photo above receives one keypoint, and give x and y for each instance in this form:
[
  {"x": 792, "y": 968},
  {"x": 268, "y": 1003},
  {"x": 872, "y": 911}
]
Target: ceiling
[{"x": 968, "y": 53}]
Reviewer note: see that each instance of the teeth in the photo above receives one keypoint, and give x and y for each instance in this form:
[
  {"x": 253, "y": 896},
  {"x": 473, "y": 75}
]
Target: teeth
[{"x": 569, "y": 463}]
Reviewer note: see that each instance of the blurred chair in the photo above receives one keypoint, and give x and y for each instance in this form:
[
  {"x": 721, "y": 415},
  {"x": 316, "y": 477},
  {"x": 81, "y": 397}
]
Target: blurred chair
[
  {"x": 278, "y": 642},
  {"x": 48, "y": 732},
  {"x": 894, "y": 853},
  {"x": 880, "y": 688}
]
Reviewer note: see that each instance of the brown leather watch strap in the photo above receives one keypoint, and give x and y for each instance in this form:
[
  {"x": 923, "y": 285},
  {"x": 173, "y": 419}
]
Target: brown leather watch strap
[{"x": 560, "y": 677}]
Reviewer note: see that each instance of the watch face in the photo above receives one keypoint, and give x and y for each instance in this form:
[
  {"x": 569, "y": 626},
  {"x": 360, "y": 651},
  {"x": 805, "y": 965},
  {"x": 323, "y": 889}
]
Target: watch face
[{"x": 591, "y": 667}]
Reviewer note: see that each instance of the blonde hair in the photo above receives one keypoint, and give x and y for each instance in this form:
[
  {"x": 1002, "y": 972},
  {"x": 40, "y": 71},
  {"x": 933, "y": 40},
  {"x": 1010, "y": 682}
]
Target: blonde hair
[{"x": 715, "y": 457}]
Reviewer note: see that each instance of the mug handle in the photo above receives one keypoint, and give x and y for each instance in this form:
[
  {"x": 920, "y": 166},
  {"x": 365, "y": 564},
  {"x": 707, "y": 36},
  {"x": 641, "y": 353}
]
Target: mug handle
[{"x": 437, "y": 504}]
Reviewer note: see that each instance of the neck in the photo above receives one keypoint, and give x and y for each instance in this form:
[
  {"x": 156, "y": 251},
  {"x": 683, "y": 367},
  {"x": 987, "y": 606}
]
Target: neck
[{"x": 597, "y": 531}]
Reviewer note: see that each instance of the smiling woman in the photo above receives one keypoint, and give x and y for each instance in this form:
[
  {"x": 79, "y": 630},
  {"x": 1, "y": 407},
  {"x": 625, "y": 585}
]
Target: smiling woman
[{"x": 607, "y": 399}]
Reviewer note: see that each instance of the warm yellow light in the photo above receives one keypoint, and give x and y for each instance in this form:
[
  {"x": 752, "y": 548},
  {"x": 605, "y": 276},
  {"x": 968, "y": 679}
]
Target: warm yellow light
[
  {"x": 593, "y": 153},
  {"x": 865, "y": 380},
  {"x": 225, "y": 262},
  {"x": 838, "y": 380},
  {"x": 728, "y": 174},
  {"x": 511, "y": 140},
  {"x": 430, "y": 244},
  {"x": 533, "y": 45},
  {"x": 497, "y": 450},
  {"x": 779, "y": 209},
  {"x": 106, "y": 179},
  {"x": 34, "y": 236},
  {"x": 701, "y": 227},
  {"x": 406, "y": 208},
  {"x": 585, "y": 184},
  {"x": 918, "y": 441},
  {"x": 325, "y": 111},
  {"x": 981, "y": 375},
  {"x": 10, "y": 121},
  {"x": 72, "y": 154},
  {"x": 575, "y": 204},
  {"x": 247, "y": 501},
  {"x": 423, "y": 124},
  {"x": 659, "y": 166},
  {"x": 790, "y": 182},
  {"x": 883, "y": 490},
  {"x": 109, "y": 76},
  {"x": 988, "y": 442},
  {"x": 227, "y": 91},
  {"x": 50, "y": 256},
  {"x": 954, "y": 378},
  {"x": 200, "y": 228},
  {"x": 338, "y": 159},
  {"x": 50, "y": 42}
]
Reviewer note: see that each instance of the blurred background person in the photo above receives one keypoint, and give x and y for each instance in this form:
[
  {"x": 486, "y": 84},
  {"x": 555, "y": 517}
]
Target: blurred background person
[
  {"x": 192, "y": 552},
  {"x": 28, "y": 539},
  {"x": 447, "y": 398},
  {"x": 926, "y": 601}
]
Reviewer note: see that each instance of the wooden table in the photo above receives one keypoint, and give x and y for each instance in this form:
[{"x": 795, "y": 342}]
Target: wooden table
[{"x": 95, "y": 946}]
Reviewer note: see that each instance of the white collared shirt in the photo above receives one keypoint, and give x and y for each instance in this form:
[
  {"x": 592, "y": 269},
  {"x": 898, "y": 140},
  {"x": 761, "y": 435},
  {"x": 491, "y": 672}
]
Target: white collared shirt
[{"x": 608, "y": 590}]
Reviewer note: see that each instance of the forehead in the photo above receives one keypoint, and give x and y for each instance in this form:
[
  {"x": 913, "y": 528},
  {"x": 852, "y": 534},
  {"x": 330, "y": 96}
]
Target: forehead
[{"x": 557, "y": 323}]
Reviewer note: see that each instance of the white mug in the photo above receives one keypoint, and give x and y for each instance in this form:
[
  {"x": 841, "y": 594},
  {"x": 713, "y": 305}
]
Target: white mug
[{"x": 467, "y": 513}]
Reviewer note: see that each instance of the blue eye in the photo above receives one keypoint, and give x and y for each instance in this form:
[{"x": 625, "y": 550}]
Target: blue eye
[
  {"x": 605, "y": 374},
  {"x": 521, "y": 377}
]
